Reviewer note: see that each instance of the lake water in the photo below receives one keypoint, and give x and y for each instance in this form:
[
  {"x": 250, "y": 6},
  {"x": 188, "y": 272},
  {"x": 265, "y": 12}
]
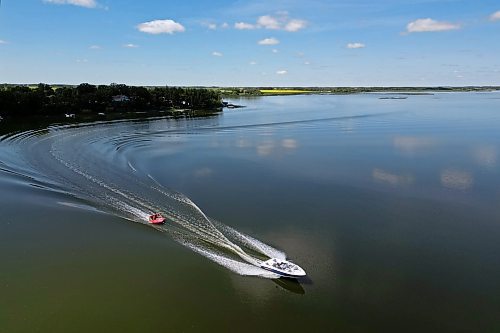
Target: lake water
[{"x": 392, "y": 207}]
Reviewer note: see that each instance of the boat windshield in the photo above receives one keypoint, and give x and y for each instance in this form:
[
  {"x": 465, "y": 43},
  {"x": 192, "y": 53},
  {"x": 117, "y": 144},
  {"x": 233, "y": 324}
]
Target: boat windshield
[{"x": 285, "y": 266}]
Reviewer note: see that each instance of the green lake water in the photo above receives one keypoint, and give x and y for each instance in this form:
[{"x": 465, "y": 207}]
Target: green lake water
[{"x": 392, "y": 207}]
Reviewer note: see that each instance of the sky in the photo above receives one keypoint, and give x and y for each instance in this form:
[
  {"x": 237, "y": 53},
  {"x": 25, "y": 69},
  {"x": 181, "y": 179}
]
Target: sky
[{"x": 251, "y": 43}]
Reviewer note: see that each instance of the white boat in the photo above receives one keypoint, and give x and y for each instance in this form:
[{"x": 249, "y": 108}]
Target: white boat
[{"x": 283, "y": 267}]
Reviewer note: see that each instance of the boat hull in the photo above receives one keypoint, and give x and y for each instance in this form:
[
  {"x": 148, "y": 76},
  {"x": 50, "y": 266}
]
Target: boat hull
[
  {"x": 281, "y": 273},
  {"x": 283, "y": 268},
  {"x": 157, "y": 221}
]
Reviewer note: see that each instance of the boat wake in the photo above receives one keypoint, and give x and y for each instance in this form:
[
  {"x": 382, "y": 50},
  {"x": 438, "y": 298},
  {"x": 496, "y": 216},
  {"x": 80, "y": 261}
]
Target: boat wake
[{"x": 84, "y": 162}]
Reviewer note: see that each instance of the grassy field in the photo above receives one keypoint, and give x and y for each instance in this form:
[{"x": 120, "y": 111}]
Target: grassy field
[{"x": 284, "y": 91}]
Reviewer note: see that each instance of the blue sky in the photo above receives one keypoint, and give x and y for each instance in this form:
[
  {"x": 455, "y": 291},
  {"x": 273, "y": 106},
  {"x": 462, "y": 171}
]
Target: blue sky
[{"x": 251, "y": 43}]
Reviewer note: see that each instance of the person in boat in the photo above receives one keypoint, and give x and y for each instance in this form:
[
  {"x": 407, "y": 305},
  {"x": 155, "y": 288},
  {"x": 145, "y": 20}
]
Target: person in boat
[{"x": 156, "y": 216}]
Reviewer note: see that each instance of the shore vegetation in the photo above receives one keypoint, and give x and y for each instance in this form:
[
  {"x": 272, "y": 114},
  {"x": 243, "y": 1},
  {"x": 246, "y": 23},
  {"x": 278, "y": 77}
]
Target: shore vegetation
[
  {"x": 44, "y": 99},
  {"x": 267, "y": 91}
]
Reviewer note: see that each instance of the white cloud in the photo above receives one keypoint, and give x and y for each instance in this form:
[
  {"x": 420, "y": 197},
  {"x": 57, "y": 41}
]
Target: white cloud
[
  {"x": 131, "y": 46},
  {"x": 214, "y": 26},
  {"x": 244, "y": 26},
  {"x": 355, "y": 45},
  {"x": 275, "y": 51},
  {"x": 161, "y": 27},
  {"x": 279, "y": 22},
  {"x": 269, "y": 41},
  {"x": 307, "y": 63},
  {"x": 217, "y": 54},
  {"x": 94, "y": 47},
  {"x": 253, "y": 63},
  {"x": 282, "y": 72},
  {"x": 268, "y": 22},
  {"x": 81, "y": 3},
  {"x": 295, "y": 25},
  {"x": 428, "y": 25},
  {"x": 3, "y": 42},
  {"x": 495, "y": 16}
]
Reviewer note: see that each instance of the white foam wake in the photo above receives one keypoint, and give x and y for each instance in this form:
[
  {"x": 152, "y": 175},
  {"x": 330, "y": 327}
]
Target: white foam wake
[{"x": 112, "y": 184}]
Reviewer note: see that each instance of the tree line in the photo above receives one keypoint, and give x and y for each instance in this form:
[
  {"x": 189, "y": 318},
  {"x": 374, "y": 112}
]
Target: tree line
[
  {"x": 44, "y": 99},
  {"x": 258, "y": 91}
]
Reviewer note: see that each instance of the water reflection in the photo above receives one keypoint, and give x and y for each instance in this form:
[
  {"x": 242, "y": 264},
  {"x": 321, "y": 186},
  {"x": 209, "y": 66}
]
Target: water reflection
[
  {"x": 265, "y": 148},
  {"x": 391, "y": 178},
  {"x": 291, "y": 285},
  {"x": 413, "y": 144},
  {"x": 486, "y": 156},
  {"x": 203, "y": 172},
  {"x": 243, "y": 143},
  {"x": 289, "y": 143},
  {"x": 347, "y": 126},
  {"x": 456, "y": 179},
  {"x": 268, "y": 147}
]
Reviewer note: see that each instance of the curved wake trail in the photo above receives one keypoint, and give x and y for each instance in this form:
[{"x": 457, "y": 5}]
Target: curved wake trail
[{"x": 85, "y": 163}]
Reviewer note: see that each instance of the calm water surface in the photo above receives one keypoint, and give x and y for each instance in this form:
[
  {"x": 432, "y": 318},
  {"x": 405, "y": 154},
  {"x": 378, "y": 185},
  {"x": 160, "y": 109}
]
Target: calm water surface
[{"x": 391, "y": 206}]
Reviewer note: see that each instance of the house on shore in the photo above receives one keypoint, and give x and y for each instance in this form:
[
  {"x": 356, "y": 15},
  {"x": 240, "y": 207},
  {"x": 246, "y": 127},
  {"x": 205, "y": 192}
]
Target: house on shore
[{"x": 120, "y": 98}]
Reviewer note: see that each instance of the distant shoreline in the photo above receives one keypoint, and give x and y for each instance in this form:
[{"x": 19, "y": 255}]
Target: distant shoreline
[
  {"x": 119, "y": 100},
  {"x": 283, "y": 91},
  {"x": 290, "y": 90}
]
